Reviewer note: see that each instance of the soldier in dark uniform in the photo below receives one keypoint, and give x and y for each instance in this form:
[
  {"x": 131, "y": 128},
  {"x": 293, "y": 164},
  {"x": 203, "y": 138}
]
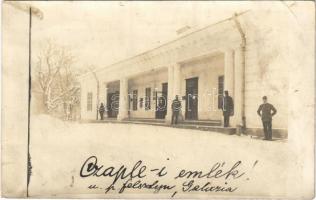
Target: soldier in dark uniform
[
  {"x": 176, "y": 107},
  {"x": 228, "y": 108},
  {"x": 266, "y": 111},
  {"x": 101, "y": 111}
]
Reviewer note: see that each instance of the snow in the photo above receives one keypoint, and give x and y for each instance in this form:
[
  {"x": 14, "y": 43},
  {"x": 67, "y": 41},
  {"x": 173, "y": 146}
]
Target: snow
[{"x": 58, "y": 150}]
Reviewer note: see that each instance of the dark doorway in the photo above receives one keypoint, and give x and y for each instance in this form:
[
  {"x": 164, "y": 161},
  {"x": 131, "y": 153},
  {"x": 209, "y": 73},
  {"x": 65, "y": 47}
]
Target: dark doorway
[
  {"x": 220, "y": 92},
  {"x": 162, "y": 102},
  {"x": 113, "y": 104},
  {"x": 191, "y": 103}
]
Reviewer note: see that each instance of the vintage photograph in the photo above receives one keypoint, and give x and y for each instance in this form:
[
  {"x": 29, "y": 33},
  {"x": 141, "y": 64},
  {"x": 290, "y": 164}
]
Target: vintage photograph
[{"x": 158, "y": 99}]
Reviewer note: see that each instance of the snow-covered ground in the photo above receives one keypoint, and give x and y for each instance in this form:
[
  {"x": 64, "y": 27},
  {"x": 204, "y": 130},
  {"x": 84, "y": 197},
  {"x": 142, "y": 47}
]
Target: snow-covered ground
[{"x": 59, "y": 149}]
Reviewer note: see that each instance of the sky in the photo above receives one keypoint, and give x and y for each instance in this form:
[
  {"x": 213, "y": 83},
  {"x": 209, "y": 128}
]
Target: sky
[{"x": 102, "y": 33}]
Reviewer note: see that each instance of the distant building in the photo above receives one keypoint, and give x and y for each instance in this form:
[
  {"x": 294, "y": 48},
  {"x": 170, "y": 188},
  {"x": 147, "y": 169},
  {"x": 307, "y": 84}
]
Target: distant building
[{"x": 237, "y": 54}]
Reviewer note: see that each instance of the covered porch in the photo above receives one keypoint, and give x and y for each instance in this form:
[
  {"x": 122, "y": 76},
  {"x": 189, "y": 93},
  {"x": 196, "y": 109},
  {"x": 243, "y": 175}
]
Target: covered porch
[{"x": 199, "y": 82}]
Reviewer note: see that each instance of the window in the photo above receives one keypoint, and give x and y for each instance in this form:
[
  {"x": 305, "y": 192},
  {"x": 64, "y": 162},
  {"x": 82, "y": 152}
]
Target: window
[
  {"x": 147, "y": 98},
  {"x": 89, "y": 101},
  {"x": 220, "y": 91},
  {"x": 135, "y": 97}
]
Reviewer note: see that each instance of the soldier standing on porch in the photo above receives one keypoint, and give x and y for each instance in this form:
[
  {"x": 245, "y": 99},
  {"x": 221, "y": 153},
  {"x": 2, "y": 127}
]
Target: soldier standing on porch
[
  {"x": 101, "y": 111},
  {"x": 176, "y": 107},
  {"x": 264, "y": 111},
  {"x": 228, "y": 108}
]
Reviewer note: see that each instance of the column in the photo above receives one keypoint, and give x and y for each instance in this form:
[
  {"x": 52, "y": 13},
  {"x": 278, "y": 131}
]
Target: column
[
  {"x": 229, "y": 79},
  {"x": 177, "y": 87},
  {"x": 170, "y": 94},
  {"x": 239, "y": 88},
  {"x": 104, "y": 97},
  {"x": 176, "y": 80},
  {"x": 101, "y": 96},
  {"x": 123, "y": 102},
  {"x": 229, "y": 72}
]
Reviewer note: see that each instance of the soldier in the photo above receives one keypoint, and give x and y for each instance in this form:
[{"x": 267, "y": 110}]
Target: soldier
[
  {"x": 228, "y": 108},
  {"x": 101, "y": 110},
  {"x": 176, "y": 107},
  {"x": 264, "y": 111}
]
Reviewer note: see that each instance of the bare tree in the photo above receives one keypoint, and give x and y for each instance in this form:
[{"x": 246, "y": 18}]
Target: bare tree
[{"x": 56, "y": 78}]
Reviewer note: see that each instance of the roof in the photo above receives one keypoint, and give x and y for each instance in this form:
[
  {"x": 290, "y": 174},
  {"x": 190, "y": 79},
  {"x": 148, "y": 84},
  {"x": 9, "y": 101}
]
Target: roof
[{"x": 165, "y": 44}]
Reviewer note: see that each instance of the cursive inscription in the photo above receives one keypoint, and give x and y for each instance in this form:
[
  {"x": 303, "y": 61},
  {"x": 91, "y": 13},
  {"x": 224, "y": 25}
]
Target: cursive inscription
[
  {"x": 220, "y": 178},
  {"x": 91, "y": 168}
]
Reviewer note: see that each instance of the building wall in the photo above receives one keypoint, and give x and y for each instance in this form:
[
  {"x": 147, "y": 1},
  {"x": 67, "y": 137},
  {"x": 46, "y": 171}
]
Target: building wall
[
  {"x": 265, "y": 66},
  {"x": 88, "y": 85},
  {"x": 207, "y": 70},
  {"x": 140, "y": 84}
]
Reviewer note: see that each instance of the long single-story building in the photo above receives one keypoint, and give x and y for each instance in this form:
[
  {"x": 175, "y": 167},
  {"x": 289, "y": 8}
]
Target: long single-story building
[{"x": 237, "y": 54}]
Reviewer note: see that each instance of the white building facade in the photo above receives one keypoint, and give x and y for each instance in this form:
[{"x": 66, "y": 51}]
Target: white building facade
[{"x": 237, "y": 54}]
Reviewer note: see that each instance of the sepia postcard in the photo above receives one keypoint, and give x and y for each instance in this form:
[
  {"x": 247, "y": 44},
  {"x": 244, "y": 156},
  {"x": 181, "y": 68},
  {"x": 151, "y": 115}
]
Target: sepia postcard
[{"x": 158, "y": 99}]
